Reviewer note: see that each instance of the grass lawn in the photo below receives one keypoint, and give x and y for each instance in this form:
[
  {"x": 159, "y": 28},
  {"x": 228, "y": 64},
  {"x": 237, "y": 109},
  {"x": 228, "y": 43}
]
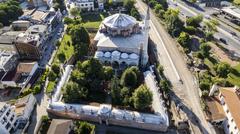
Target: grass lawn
[
  {"x": 50, "y": 86},
  {"x": 93, "y": 20},
  {"x": 235, "y": 78},
  {"x": 65, "y": 47}
]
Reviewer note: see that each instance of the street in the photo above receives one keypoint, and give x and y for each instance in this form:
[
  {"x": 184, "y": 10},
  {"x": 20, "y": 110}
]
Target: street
[
  {"x": 42, "y": 98},
  {"x": 175, "y": 70},
  {"x": 223, "y": 30}
]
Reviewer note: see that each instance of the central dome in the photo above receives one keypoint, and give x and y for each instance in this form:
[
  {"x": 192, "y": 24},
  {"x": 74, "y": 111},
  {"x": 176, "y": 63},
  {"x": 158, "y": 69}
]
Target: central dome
[{"x": 119, "y": 21}]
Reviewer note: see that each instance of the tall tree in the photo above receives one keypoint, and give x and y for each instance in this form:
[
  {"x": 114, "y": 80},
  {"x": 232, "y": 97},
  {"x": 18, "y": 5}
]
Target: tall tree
[
  {"x": 142, "y": 97},
  {"x": 129, "y": 78},
  {"x": 79, "y": 35},
  {"x": 184, "y": 39},
  {"x": 115, "y": 90},
  {"x": 174, "y": 24}
]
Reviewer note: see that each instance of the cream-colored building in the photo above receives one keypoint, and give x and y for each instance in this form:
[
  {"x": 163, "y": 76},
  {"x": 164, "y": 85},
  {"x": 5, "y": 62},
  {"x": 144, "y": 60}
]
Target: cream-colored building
[
  {"x": 223, "y": 109},
  {"x": 123, "y": 41}
]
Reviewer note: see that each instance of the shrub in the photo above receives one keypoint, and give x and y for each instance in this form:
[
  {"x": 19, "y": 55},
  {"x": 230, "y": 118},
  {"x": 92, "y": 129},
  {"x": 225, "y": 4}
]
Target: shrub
[{"x": 37, "y": 89}]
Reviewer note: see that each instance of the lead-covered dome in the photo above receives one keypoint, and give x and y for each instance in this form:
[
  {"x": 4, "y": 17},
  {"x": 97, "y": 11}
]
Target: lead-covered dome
[{"x": 119, "y": 21}]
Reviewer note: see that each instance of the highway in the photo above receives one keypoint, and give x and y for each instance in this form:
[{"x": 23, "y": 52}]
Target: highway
[
  {"x": 224, "y": 31},
  {"x": 175, "y": 68}
]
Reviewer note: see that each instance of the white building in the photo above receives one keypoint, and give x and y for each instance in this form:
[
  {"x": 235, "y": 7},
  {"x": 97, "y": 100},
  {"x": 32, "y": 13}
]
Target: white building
[
  {"x": 7, "y": 119},
  {"x": 81, "y": 4},
  {"x": 224, "y": 109},
  {"x": 123, "y": 41},
  {"x": 15, "y": 119}
]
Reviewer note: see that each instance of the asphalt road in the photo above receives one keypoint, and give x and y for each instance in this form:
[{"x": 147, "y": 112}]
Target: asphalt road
[
  {"x": 42, "y": 98},
  {"x": 224, "y": 31},
  {"x": 175, "y": 69}
]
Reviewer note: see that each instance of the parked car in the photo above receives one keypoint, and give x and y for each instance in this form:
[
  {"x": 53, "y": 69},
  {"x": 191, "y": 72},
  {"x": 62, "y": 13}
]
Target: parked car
[
  {"x": 223, "y": 40},
  {"x": 233, "y": 33}
]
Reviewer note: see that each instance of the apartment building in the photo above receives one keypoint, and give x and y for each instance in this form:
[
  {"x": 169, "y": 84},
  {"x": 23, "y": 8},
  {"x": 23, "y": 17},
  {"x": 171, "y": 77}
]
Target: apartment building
[
  {"x": 224, "y": 109},
  {"x": 30, "y": 44},
  {"x": 7, "y": 119},
  {"x": 15, "y": 118}
]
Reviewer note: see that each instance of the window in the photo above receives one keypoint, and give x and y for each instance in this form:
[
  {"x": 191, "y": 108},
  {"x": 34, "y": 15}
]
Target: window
[
  {"x": 8, "y": 113},
  {"x": 231, "y": 120},
  {"x": 11, "y": 119},
  {"x": 228, "y": 126},
  {"x": 86, "y": 4},
  {"x": 227, "y": 111},
  {"x": 8, "y": 125},
  {"x": 235, "y": 127}
]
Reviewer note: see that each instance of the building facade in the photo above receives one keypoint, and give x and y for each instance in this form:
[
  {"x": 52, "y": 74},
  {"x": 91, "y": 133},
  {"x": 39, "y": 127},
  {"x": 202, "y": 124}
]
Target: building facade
[
  {"x": 224, "y": 109},
  {"x": 7, "y": 119}
]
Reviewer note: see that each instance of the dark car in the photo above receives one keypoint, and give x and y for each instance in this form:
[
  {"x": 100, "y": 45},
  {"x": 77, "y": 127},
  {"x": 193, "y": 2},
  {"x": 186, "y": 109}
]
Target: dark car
[
  {"x": 233, "y": 33},
  {"x": 223, "y": 40}
]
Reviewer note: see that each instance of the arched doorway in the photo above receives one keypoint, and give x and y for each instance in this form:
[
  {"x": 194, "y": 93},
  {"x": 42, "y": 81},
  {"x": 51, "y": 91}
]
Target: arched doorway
[
  {"x": 123, "y": 65},
  {"x": 115, "y": 65}
]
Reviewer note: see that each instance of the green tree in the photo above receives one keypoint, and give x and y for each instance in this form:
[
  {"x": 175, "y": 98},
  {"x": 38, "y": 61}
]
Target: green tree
[
  {"x": 115, "y": 90},
  {"x": 59, "y": 4},
  {"x": 108, "y": 72},
  {"x": 74, "y": 92},
  {"x": 134, "y": 12},
  {"x": 152, "y": 3},
  {"x": 81, "y": 50},
  {"x": 184, "y": 39},
  {"x": 129, "y": 78},
  {"x": 158, "y": 8},
  {"x": 56, "y": 68},
  {"x": 204, "y": 85},
  {"x": 79, "y": 35},
  {"x": 9, "y": 11},
  {"x": 190, "y": 30},
  {"x": 160, "y": 69},
  {"x": 124, "y": 94},
  {"x": 84, "y": 128},
  {"x": 68, "y": 20},
  {"x": 164, "y": 85},
  {"x": 194, "y": 21},
  {"x": 142, "y": 97},
  {"x": 52, "y": 76},
  {"x": 61, "y": 57},
  {"x": 92, "y": 69},
  {"x": 205, "y": 49},
  {"x": 173, "y": 23},
  {"x": 223, "y": 69}
]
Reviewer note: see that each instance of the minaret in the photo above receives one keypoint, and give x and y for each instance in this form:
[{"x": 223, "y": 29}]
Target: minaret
[{"x": 144, "y": 47}]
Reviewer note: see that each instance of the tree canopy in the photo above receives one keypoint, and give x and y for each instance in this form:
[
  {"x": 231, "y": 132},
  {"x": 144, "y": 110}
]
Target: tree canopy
[
  {"x": 84, "y": 128},
  {"x": 194, "y": 21},
  {"x": 79, "y": 34},
  {"x": 223, "y": 69},
  {"x": 142, "y": 97},
  {"x": 9, "y": 11},
  {"x": 129, "y": 78},
  {"x": 184, "y": 39},
  {"x": 74, "y": 92},
  {"x": 173, "y": 23}
]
